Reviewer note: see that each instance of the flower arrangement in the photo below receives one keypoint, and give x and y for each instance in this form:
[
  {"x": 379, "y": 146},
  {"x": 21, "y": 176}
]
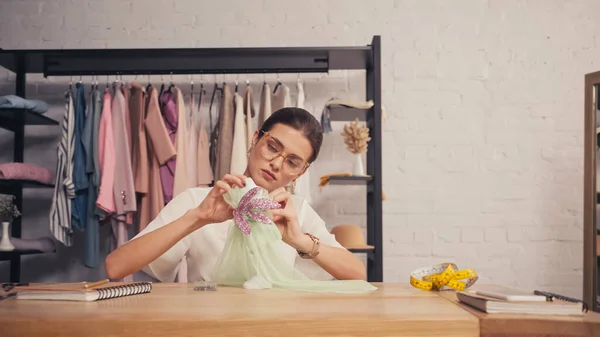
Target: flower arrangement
[
  {"x": 356, "y": 137},
  {"x": 8, "y": 210}
]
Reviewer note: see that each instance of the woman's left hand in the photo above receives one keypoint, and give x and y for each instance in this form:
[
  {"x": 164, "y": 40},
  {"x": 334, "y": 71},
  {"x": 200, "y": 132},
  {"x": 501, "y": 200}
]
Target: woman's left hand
[{"x": 286, "y": 217}]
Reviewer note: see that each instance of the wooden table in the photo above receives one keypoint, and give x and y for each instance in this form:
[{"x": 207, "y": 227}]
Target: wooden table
[{"x": 178, "y": 310}]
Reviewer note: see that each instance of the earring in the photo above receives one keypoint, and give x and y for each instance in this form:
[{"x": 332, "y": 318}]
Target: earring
[{"x": 294, "y": 187}]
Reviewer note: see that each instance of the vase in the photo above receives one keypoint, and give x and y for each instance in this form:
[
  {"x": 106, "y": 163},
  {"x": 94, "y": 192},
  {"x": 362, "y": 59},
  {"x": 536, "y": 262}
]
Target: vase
[
  {"x": 359, "y": 170},
  {"x": 5, "y": 244}
]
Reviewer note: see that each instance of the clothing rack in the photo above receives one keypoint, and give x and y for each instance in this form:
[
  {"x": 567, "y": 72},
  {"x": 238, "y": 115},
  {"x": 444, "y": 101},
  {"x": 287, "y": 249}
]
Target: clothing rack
[{"x": 81, "y": 62}]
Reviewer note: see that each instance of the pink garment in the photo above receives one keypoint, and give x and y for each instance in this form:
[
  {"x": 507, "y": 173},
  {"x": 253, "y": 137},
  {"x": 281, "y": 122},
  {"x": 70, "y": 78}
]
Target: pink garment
[
  {"x": 106, "y": 157},
  {"x": 26, "y": 171},
  {"x": 167, "y": 171}
]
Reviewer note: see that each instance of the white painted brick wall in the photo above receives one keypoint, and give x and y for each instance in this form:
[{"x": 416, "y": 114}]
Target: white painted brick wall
[{"x": 483, "y": 145}]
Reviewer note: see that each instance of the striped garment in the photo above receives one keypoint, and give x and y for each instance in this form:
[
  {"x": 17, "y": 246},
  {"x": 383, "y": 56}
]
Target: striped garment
[{"x": 64, "y": 190}]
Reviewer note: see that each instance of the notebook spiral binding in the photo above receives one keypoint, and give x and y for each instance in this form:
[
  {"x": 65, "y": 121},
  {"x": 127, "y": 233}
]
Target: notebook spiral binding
[
  {"x": 551, "y": 296},
  {"x": 124, "y": 290}
]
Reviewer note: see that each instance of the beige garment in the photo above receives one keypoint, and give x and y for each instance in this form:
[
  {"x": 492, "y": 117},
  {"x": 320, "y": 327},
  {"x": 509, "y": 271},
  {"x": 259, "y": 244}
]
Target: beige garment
[
  {"x": 264, "y": 110},
  {"x": 181, "y": 181},
  {"x": 205, "y": 173},
  {"x": 160, "y": 150},
  {"x": 303, "y": 182},
  {"x": 139, "y": 146},
  {"x": 192, "y": 147},
  {"x": 239, "y": 160},
  {"x": 281, "y": 98},
  {"x": 225, "y": 140},
  {"x": 249, "y": 112}
]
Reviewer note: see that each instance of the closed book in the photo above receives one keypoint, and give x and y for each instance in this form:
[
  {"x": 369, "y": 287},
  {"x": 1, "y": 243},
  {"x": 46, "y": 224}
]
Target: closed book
[{"x": 495, "y": 305}]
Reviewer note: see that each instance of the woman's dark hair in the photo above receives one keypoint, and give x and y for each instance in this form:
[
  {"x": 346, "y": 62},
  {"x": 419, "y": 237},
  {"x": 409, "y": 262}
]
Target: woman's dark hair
[{"x": 300, "y": 120}]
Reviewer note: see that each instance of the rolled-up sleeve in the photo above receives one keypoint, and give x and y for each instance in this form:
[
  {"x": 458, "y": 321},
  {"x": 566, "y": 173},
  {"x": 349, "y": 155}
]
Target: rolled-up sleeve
[
  {"x": 166, "y": 266},
  {"x": 311, "y": 222}
]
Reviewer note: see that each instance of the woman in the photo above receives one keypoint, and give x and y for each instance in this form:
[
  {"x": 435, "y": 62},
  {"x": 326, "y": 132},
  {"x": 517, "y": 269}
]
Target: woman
[{"x": 195, "y": 223}]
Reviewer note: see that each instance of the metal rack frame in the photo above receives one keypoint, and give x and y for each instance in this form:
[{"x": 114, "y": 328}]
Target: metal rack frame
[{"x": 80, "y": 62}]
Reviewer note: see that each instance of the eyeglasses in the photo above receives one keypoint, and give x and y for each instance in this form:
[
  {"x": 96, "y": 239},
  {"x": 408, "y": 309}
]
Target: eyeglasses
[{"x": 271, "y": 148}]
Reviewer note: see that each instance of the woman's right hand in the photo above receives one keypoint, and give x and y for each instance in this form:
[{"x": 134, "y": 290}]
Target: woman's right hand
[{"x": 214, "y": 208}]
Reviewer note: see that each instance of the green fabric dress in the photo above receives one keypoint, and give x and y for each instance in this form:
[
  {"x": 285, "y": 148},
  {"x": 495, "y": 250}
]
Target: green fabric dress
[{"x": 250, "y": 258}]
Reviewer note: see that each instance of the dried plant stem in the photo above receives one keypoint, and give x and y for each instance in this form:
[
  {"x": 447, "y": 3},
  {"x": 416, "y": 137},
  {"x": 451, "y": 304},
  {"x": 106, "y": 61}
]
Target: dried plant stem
[{"x": 356, "y": 137}]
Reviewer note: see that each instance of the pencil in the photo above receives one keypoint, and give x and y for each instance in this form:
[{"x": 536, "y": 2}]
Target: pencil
[{"x": 95, "y": 284}]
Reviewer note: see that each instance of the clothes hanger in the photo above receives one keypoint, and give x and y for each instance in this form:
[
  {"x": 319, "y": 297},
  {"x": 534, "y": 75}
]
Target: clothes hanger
[
  {"x": 201, "y": 93},
  {"x": 278, "y": 83},
  {"x": 149, "y": 84},
  {"x": 162, "y": 86},
  {"x": 171, "y": 85}
]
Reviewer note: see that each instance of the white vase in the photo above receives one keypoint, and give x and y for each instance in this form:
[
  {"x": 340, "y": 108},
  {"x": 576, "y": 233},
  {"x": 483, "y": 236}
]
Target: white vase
[
  {"x": 359, "y": 170},
  {"x": 5, "y": 244}
]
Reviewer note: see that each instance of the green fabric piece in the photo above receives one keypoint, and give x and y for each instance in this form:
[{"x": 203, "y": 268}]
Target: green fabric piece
[{"x": 252, "y": 260}]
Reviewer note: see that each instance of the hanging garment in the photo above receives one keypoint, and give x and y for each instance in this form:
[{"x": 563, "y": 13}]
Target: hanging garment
[
  {"x": 181, "y": 181},
  {"x": 213, "y": 124},
  {"x": 250, "y": 113},
  {"x": 91, "y": 250},
  {"x": 167, "y": 170},
  {"x": 192, "y": 146},
  {"x": 106, "y": 156},
  {"x": 250, "y": 258},
  {"x": 160, "y": 150},
  {"x": 239, "y": 160},
  {"x": 264, "y": 109},
  {"x": 139, "y": 147},
  {"x": 64, "y": 190},
  {"x": 205, "y": 173},
  {"x": 225, "y": 142},
  {"x": 303, "y": 182},
  {"x": 123, "y": 186},
  {"x": 126, "y": 96},
  {"x": 80, "y": 179},
  {"x": 281, "y": 98}
]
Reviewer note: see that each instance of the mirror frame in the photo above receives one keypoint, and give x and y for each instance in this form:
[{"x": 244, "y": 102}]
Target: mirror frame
[{"x": 590, "y": 195}]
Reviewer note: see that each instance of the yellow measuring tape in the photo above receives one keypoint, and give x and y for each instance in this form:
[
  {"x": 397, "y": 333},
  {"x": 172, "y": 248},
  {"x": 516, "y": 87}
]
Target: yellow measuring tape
[{"x": 442, "y": 277}]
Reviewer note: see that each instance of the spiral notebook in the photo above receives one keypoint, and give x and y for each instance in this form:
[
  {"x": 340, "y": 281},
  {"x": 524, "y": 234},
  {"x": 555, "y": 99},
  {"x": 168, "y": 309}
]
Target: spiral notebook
[{"x": 75, "y": 292}]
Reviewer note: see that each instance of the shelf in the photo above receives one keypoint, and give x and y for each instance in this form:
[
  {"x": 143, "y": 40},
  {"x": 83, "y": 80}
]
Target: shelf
[
  {"x": 62, "y": 62},
  {"x": 361, "y": 250},
  {"x": 11, "y": 118},
  {"x": 369, "y": 252},
  {"x": 344, "y": 114},
  {"x": 4, "y": 256},
  {"x": 16, "y": 183},
  {"x": 351, "y": 180}
]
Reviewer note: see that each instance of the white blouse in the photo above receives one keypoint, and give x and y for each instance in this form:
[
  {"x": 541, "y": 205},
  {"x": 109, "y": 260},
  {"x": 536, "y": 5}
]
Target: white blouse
[{"x": 201, "y": 248}]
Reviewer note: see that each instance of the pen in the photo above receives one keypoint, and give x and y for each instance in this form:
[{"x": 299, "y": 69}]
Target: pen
[
  {"x": 95, "y": 284},
  {"x": 3, "y": 297}
]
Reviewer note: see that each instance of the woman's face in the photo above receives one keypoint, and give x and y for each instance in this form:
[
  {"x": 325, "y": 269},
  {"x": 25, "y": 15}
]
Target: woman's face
[{"x": 289, "y": 150}]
